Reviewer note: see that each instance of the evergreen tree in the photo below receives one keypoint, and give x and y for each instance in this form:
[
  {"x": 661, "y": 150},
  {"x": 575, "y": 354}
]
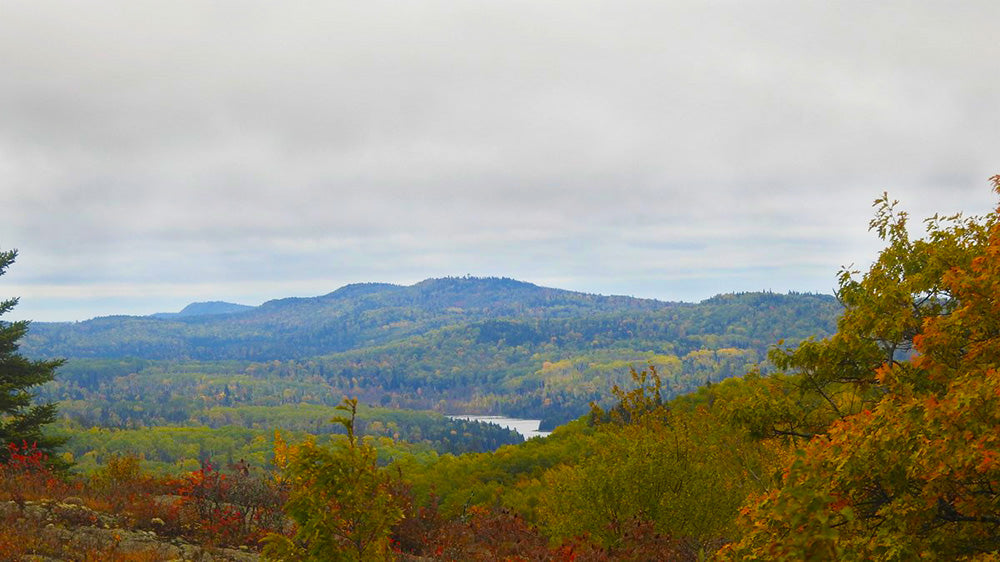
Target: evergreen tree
[{"x": 21, "y": 421}]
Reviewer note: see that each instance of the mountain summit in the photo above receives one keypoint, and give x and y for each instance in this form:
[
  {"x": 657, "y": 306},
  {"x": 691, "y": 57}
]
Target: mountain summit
[{"x": 205, "y": 309}]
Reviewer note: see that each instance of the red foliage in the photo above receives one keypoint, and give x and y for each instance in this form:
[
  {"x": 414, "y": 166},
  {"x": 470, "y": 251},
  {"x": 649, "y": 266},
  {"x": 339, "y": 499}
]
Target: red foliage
[
  {"x": 25, "y": 458},
  {"x": 234, "y": 508},
  {"x": 26, "y": 475}
]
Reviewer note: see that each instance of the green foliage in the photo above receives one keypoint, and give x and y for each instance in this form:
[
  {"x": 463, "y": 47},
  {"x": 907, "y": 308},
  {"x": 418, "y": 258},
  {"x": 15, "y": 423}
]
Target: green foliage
[
  {"x": 341, "y": 501},
  {"x": 168, "y": 450},
  {"x": 226, "y": 435},
  {"x": 509, "y": 476},
  {"x": 21, "y": 421},
  {"x": 682, "y": 471}
]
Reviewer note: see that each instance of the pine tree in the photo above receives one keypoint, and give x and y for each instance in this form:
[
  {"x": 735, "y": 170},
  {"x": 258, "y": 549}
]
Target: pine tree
[{"x": 21, "y": 421}]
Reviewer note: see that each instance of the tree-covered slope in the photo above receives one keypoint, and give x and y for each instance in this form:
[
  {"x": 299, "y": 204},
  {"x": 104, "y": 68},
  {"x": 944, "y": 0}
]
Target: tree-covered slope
[
  {"x": 454, "y": 345},
  {"x": 352, "y": 317},
  {"x": 365, "y": 315}
]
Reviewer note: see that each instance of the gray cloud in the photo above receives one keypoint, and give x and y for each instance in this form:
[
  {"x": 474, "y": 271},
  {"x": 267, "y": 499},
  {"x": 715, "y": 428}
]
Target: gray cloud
[{"x": 249, "y": 150}]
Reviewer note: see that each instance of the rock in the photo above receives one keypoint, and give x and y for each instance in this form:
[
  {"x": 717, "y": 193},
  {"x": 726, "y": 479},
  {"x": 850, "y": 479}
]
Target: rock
[
  {"x": 8, "y": 509},
  {"x": 35, "y": 511},
  {"x": 78, "y": 529},
  {"x": 74, "y": 514}
]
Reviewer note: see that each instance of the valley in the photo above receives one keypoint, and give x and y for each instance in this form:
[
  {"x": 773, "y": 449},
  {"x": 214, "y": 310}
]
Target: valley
[{"x": 486, "y": 346}]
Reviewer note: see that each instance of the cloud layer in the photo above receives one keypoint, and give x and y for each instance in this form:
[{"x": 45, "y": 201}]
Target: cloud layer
[{"x": 154, "y": 153}]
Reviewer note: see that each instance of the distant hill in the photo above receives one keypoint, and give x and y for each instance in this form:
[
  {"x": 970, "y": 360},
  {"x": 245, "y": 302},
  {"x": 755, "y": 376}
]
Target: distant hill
[
  {"x": 205, "y": 309},
  {"x": 456, "y": 345},
  {"x": 353, "y": 316}
]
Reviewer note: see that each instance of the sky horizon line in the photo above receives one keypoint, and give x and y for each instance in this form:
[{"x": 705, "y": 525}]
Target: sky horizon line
[{"x": 143, "y": 310}]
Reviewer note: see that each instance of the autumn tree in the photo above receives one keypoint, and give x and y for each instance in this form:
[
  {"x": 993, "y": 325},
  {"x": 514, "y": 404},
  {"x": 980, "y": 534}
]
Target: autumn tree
[
  {"x": 898, "y": 415},
  {"x": 340, "y": 499},
  {"x": 21, "y": 421}
]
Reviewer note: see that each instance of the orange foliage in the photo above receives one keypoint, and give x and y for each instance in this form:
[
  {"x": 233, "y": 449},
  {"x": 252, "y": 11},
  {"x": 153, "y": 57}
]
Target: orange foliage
[{"x": 917, "y": 475}]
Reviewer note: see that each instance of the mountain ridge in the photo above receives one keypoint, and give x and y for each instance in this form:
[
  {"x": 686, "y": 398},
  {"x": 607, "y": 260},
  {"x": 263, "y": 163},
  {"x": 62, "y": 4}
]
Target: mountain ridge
[
  {"x": 454, "y": 344},
  {"x": 356, "y": 316}
]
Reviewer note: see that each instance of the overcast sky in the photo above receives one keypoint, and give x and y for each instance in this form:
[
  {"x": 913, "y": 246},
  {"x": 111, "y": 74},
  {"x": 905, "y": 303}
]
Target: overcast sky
[{"x": 154, "y": 154}]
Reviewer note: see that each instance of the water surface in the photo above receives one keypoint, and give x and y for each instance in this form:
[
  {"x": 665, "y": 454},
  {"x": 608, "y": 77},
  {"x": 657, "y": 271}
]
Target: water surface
[{"x": 527, "y": 428}]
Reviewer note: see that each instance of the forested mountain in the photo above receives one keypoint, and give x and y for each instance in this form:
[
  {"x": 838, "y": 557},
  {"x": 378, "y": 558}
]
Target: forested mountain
[
  {"x": 371, "y": 314},
  {"x": 454, "y": 345}
]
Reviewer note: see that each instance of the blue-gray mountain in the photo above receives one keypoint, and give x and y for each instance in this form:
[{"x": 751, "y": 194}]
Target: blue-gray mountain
[{"x": 205, "y": 309}]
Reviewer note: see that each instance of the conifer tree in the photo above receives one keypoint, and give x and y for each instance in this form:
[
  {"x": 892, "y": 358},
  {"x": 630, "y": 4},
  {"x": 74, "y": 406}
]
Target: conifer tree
[{"x": 21, "y": 421}]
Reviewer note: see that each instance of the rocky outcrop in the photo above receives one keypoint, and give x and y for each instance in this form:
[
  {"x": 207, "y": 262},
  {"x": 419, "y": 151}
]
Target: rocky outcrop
[{"x": 77, "y": 529}]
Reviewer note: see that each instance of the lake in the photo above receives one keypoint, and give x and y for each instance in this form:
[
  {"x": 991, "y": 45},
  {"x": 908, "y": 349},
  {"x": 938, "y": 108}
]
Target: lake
[{"x": 527, "y": 428}]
